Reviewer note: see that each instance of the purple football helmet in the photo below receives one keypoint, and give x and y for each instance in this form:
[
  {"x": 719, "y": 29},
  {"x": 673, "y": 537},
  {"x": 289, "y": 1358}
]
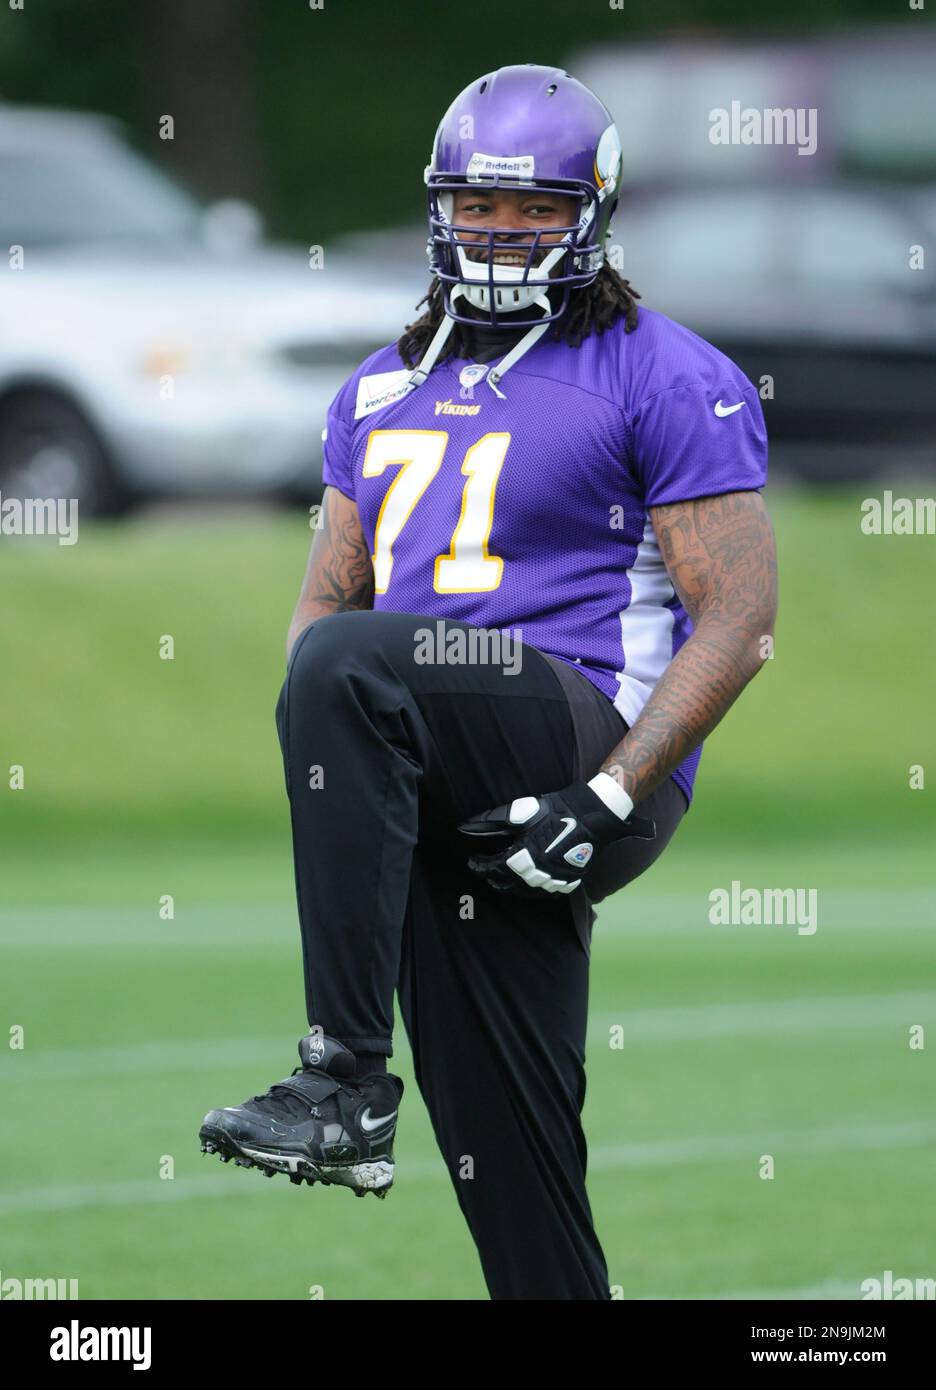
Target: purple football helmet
[{"x": 521, "y": 127}]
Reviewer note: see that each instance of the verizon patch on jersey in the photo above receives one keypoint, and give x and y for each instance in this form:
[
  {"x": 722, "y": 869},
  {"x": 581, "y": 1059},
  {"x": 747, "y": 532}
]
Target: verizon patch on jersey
[
  {"x": 374, "y": 392},
  {"x": 77, "y": 1343}
]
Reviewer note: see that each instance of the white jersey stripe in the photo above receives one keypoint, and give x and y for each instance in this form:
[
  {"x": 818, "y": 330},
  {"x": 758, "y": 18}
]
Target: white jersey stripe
[{"x": 646, "y": 627}]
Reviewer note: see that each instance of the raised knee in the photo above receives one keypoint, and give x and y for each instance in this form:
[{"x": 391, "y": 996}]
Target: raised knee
[{"x": 325, "y": 650}]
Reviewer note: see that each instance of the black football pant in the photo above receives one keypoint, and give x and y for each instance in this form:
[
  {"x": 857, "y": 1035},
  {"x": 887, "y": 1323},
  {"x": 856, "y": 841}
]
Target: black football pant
[{"x": 383, "y": 755}]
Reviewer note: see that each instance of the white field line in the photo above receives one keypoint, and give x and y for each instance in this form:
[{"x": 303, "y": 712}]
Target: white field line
[
  {"x": 604, "y": 1159},
  {"x": 837, "y": 1289},
  {"x": 652, "y": 1153},
  {"x": 751, "y": 1018},
  {"x": 689, "y": 911},
  {"x": 275, "y": 925}
]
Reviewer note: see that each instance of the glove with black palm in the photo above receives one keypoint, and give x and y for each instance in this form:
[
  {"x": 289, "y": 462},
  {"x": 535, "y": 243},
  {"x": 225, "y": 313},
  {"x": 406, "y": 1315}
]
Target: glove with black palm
[{"x": 554, "y": 836}]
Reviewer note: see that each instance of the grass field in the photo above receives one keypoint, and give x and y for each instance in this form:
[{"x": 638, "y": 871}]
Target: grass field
[{"x": 146, "y": 777}]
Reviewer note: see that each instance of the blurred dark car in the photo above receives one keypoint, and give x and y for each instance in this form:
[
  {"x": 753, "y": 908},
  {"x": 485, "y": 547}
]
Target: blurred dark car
[
  {"x": 799, "y": 268},
  {"x": 810, "y": 285}
]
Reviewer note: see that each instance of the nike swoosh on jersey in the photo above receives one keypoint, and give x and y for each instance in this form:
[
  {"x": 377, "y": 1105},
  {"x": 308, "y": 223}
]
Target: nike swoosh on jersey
[{"x": 722, "y": 410}]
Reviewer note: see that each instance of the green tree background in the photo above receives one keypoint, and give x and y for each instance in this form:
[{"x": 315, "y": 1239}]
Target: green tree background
[{"x": 324, "y": 117}]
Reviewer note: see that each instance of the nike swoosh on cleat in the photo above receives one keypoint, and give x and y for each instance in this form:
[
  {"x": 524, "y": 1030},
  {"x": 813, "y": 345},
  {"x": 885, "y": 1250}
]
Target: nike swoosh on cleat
[{"x": 368, "y": 1122}]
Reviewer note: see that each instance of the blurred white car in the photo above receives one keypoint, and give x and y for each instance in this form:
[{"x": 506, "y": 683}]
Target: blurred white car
[{"x": 149, "y": 347}]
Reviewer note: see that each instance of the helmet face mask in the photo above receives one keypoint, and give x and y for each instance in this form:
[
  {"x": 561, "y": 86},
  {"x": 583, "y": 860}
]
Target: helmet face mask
[
  {"x": 464, "y": 257},
  {"x": 529, "y": 128}
]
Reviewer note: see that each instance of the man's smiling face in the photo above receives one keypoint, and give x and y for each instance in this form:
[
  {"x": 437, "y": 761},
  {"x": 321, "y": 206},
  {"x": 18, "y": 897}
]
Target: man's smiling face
[{"x": 516, "y": 214}]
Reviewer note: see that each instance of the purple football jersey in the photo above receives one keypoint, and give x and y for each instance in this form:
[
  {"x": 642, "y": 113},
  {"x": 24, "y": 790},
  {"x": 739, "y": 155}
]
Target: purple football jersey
[{"x": 528, "y": 514}]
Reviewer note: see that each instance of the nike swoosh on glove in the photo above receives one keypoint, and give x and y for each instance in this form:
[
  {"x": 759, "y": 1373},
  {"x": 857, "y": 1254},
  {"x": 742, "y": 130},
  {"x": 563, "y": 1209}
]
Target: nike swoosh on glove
[{"x": 554, "y": 836}]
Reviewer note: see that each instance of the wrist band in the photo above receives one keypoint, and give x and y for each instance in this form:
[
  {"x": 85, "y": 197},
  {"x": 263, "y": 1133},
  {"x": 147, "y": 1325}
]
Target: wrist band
[{"x": 612, "y": 794}]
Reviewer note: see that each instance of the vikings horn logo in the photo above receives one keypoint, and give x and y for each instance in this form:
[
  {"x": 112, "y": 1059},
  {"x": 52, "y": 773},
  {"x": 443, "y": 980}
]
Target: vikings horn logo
[{"x": 607, "y": 162}]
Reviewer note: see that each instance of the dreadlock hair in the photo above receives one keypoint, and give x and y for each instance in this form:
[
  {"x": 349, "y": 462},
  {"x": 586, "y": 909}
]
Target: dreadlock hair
[{"x": 591, "y": 310}]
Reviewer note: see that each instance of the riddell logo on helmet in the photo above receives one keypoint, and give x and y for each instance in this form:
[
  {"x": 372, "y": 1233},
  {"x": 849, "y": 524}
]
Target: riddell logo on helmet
[{"x": 521, "y": 166}]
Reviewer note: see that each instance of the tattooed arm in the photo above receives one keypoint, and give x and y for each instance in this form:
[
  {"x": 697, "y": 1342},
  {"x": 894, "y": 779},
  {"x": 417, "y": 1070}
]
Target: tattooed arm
[
  {"x": 720, "y": 555},
  {"x": 339, "y": 575}
]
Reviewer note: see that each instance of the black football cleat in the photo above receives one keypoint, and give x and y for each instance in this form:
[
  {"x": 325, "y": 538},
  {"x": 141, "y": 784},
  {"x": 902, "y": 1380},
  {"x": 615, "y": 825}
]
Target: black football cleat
[{"x": 318, "y": 1125}]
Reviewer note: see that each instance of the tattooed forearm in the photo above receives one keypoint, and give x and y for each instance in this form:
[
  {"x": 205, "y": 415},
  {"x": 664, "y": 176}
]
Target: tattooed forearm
[
  {"x": 339, "y": 576},
  {"x": 341, "y": 571},
  {"x": 720, "y": 555}
]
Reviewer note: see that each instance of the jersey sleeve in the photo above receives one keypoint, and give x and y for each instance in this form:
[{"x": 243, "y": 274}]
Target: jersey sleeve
[
  {"x": 704, "y": 437},
  {"x": 336, "y": 445}
]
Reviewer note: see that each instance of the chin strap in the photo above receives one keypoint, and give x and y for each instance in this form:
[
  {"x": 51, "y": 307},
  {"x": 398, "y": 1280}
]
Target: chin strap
[
  {"x": 419, "y": 374},
  {"x": 518, "y": 350},
  {"x": 430, "y": 357}
]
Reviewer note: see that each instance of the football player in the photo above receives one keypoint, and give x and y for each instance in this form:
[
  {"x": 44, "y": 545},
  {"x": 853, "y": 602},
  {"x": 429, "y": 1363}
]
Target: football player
[{"x": 545, "y": 573}]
